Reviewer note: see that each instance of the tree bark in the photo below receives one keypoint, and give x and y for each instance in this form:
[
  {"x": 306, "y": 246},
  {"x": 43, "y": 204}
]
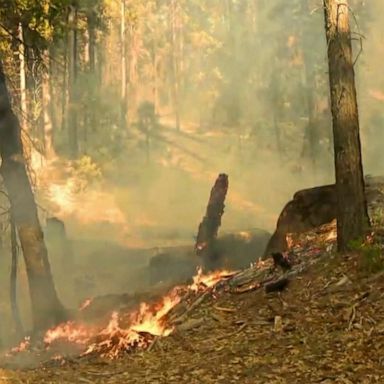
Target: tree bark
[
  {"x": 205, "y": 245},
  {"x": 13, "y": 280},
  {"x": 72, "y": 77},
  {"x": 175, "y": 63},
  {"x": 47, "y": 309},
  {"x": 352, "y": 214},
  {"x": 64, "y": 84},
  {"x": 309, "y": 151},
  {"x": 47, "y": 108},
  {"x": 91, "y": 21},
  {"x": 123, "y": 97},
  {"x": 23, "y": 80}
]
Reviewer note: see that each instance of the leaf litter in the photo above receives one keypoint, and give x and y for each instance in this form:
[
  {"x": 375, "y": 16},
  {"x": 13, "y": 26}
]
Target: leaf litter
[{"x": 327, "y": 326}]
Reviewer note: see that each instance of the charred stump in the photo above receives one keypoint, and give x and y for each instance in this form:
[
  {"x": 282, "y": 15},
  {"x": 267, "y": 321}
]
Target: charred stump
[{"x": 205, "y": 245}]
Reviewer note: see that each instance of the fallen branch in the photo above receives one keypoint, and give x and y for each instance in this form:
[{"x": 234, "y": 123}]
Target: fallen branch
[
  {"x": 190, "y": 308},
  {"x": 190, "y": 324},
  {"x": 222, "y": 309}
]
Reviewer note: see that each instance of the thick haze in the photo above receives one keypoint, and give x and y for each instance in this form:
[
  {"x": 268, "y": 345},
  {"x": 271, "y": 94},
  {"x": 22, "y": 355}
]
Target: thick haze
[{"x": 246, "y": 72}]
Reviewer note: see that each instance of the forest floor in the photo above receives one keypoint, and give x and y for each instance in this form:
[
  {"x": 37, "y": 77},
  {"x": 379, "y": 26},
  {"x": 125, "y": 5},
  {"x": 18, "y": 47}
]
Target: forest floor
[{"x": 332, "y": 331}]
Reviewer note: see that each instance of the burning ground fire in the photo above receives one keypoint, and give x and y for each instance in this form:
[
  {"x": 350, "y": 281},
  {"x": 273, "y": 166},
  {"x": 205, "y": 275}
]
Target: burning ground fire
[{"x": 126, "y": 331}]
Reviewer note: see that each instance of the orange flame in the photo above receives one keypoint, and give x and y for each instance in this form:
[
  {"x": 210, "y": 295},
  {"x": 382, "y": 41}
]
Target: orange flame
[
  {"x": 23, "y": 346},
  {"x": 125, "y": 332},
  {"x": 85, "y": 304},
  {"x": 201, "y": 281}
]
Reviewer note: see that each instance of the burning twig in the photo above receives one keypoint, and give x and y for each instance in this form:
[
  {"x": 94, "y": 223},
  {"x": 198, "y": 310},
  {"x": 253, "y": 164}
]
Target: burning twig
[{"x": 191, "y": 307}]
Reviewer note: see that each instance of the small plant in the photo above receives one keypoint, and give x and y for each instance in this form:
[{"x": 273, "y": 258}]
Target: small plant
[
  {"x": 371, "y": 255},
  {"x": 372, "y": 259},
  {"x": 86, "y": 172}
]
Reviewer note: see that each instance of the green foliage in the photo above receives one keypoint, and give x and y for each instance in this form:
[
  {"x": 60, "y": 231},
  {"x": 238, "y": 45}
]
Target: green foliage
[
  {"x": 371, "y": 256},
  {"x": 372, "y": 259},
  {"x": 86, "y": 172},
  {"x": 236, "y": 63}
]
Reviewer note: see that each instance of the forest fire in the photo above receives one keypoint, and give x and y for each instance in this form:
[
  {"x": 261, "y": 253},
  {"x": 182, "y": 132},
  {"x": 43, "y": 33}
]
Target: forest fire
[
  {"x": 126, "y": 332},
  {"x": 201, "y": 281}
]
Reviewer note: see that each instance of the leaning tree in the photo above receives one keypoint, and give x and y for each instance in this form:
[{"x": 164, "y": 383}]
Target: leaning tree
[{"x": 47, "y": 309}]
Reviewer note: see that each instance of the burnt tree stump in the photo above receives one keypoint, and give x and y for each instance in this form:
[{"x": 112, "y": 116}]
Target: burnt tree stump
[{"x": 205, "y": 245}]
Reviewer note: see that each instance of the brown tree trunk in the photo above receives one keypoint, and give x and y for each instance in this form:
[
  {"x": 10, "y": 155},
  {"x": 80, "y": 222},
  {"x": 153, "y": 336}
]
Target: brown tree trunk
[
  {"x": 23, "y": 84},
  {"x": 72, "y": 79},
  {"x": 123, "y": 95},
  {"x": 46, "y": 307},
  {"x": 309, "y": 151},
  {"x": 352, "y": 215},
  {"x": 13, "y": 280},
  {"x": 47, "y": 108},
  {"x": 91, "y": 21},
  {"x": 64, "y": 84},
  {"x": 175, "y": 63}
]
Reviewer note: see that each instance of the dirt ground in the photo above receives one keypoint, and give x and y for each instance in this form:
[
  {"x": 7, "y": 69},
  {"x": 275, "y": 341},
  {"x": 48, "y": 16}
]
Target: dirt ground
[{"x": 332, "y": 331}]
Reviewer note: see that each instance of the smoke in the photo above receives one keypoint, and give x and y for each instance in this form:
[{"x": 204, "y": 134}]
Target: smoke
[{"x": 243, "y": 112}]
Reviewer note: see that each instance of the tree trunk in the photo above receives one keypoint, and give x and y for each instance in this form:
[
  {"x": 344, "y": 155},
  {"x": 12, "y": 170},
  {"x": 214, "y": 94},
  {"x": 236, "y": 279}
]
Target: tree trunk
[
  {"x": 205, "y": 245},
  {"x": 92, "y": 41},
  {"x": 23, "y": 84},
  {"x": 46, "y": 307},
  {"x": 175, "y": 65},
  {"x": 72, "y": 77},
  {"x": 13, "y": 281},
  {"x": 64, "y": 85},
  {"x": 352, "y": 214},
  {"x": 47, "y": 108},
  {"x": 134, "y": 43},
  {"x": 91, "y": 113},
  {"x": 123, "y": 96},
  {"x": 276, "y": 108},
  {"x": 309, "y": 151}
]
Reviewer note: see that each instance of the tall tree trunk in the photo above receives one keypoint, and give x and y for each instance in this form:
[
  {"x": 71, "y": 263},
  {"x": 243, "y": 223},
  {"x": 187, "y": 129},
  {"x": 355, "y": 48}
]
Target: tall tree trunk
[
  {"x": 47, "y": 108},
  {"x": 155, "y": 81},
  {"x": 91, "y": 21},
  {"x": 52, "y": 107},
  {"x": 46, "y": 307},
  {"x": 72, "y": 77},
  {"x": 309, "y": 151},
  {"x": 352, "y": 215},
  {"x": 92, "y": 108},
  {"x": 64, "y": 85},
  {"x": 134, "y": 42},
  {"x": 123, "y": 95},
  {"x": 174, "y": 64},
  {"x": 13, "y": 282},
  {"x": 23, "y": 80},
  {"x": 276, "y": 108}
]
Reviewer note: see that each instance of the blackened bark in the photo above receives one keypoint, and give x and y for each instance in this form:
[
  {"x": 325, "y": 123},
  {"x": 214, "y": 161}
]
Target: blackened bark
[
  {"x": 352, "y": 214},
  {"x": 206, "y": 237},
  {"x": 46, "y": 307}
]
